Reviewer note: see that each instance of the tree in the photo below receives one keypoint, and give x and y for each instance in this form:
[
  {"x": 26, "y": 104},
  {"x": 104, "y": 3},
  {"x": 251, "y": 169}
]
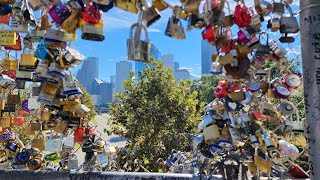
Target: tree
[
  {"x": 87, "y": 101},
  {"x": 155, "y": 114},
  {"x": 204, "y": 87}
]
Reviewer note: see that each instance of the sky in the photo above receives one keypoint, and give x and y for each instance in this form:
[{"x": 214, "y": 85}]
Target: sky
[{"x": 187, "y": 52}]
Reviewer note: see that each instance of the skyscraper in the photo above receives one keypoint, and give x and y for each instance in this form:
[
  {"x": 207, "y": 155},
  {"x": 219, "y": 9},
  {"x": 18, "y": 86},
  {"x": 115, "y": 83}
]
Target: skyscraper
[
  {"x": 206, "y": 53},
  {"x": 88, "y": 71},
  {"x": 140, "y": 66},
  {"x": 167, "y": 60},
  {"x": 181, "y": 74},
  {"x": 123, "y": 69},
  {"x": 103, "y": 90},
  {"x": 176, "y": 66}
]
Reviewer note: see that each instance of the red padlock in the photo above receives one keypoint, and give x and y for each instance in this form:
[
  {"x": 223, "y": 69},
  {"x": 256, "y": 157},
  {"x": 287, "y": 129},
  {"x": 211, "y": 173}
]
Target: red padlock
[
  {"x": 78, "y": 135},
  {"x": 297, "y": 172},
  {"x": 222, "y": 82},
  {"x": 11, "y": 73},
  {"x": 208, "y": 33},
  {"x": 235, "y": 87},
  {"x": 221, "y": 91},
  {"x": 90, "y": 14},
  {"x": 242, "y": 16},
  {"x": 18, "y": 121}
]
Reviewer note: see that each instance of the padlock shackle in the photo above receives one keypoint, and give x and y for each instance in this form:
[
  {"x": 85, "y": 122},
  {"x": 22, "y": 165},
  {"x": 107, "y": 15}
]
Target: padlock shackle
[{"x": 138, "y": 27}]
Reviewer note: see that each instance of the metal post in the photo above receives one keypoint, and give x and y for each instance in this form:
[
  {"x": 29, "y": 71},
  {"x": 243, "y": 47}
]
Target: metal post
[{"x": 310, "y": 44}]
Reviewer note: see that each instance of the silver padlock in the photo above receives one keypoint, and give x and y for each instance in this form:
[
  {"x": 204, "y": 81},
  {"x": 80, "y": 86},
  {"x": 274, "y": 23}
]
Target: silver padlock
[
  {"x": 72, "y": 162},
  {"x": 150, "y": 14}
]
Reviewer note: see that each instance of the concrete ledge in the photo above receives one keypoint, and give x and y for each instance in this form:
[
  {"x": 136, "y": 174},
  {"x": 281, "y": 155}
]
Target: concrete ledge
[{"x": 58, "y": 175}]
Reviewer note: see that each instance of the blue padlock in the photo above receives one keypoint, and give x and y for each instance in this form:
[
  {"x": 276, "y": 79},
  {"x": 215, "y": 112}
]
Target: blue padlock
[
  {"x": 12, "y": 146},
  {"x": 41, "y": 51},
  {"x": 5, "y": 9},
  {"x": 22, "y": 157}
]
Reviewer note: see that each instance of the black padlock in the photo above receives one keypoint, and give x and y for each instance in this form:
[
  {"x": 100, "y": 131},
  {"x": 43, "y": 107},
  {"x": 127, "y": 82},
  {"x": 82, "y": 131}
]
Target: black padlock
[
  {"x": 286, "y": 39},
  {"x": 195, "y": 22},
  {"x": 278, "y": 7},
  {"x": 289, "y": 24},
  {"x": 263, "y": 49}
]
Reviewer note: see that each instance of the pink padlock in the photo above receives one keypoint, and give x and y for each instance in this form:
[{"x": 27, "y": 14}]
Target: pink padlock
[
  {"x": 243, "y": 36},
  {"x": 289, "y": 149}
]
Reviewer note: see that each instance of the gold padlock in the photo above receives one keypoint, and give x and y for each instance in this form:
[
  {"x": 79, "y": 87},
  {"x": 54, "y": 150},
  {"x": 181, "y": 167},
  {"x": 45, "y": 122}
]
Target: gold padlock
[
  {"x": 127, "y": 5},
  {"x": 226, "y": 59},
  {"x": 262, "y": 164},
  {"x": 39, "y": 142},
  {"x": 71, "y": 23},
  {"x": 159, "y": 5}
]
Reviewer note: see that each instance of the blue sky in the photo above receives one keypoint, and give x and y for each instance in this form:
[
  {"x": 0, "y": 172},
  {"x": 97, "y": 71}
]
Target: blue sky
[{"x": 187, "y": 52}]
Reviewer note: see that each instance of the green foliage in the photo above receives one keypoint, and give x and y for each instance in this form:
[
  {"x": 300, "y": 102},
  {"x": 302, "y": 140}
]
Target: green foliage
[
  {"x": 156, "y": 115},
  {"x": 204, "y": 87},
  {"x": 87, "y": 101}
]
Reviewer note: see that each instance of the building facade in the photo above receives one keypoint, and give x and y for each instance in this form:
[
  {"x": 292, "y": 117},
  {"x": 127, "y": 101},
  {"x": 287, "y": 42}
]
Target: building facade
[
  {"x": 167, "y": 61},
  {"x": 206, "y": 55},
  {"x": 181, "y": 74},
  {"x": 88, "y": 72},
  {"x": 102, "y": 90},
  {"x": 123, "y": 69}
]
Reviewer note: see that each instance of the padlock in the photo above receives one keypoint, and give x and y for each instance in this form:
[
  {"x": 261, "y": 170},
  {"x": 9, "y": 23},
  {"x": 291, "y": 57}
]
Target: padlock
[
  {"x": 150, "y": 14},
  {"x": 71, "y": 23},
  {"x": 263, "y": 164},
  {"x": 292, "y": 81},
  {"x": 242, "y": 16},
  {"x": 138, "y": 50},
  {"x": 278, "y": 7},
  {"x": 74, "y": 121},
  {"x": 41, "y": 53},
  {"x": 286, "y": 108},
  {"x": 195, "y": 22},
  {"x": 263, "y": 49},
  {"x": 93, "y": 32},
  {"x": 17, "y": 46},
  {"x": 289, "y": 149},
  {"x": 274, "y": 24},
  {"x": 35, "y": 162},
  {"x": 263, "y": 7},
  {"x": 159, "y": 5},
  {"x": 243, "y": 36},
  {"x": 5, "y": 9},
  {"x": 18, "y": 121},
  {"x": 256, "y": 20},
  {"x": 221, "y": 91},
  {"x": 277, "y": 49},
  {"x": 56, "y": 70},
  {"x": 103, "y": 5},
  {"x": 53, "y": 144},
  {"x": 267, "y": 109},
  {"x": 28, "y": 16},
  {"x": 102, "y": 160},
  {"x": 27, "y": 62},
  {"x": 207, "y": 119},
  {"x": 54, "y": 38},
  {"x": 78, "y": 135},
  {"x": 12, "y": 146},
  {"x": 296, "y": 171},
  {"x": 289, "y": 24},
  {"x": 175, "y": 29},
  {"x": 90, "y": 14},
  {"x": 59, "y": 13},
  {"x": 240, "y": 70},
  {"x": 211, "y": 133},
  {"x": 281, "y": 91},
  {"x": 253, "y": 43},
  {"x": 39, "y": 141},
  {"x": 286, "y": 39},
  {"x": 35, "y": 4},
  {"x": 99, "y": 145},
  {"x": 87, "y": 147},
  {"x": 22, "y": 157},
  {"x": 236, "y": 137},
  {"x": 69, "y": 84},
  {"x": 208, "y": 33},
  {"x": 127, "y": 5},
  {"x": 69, "y": 142}
]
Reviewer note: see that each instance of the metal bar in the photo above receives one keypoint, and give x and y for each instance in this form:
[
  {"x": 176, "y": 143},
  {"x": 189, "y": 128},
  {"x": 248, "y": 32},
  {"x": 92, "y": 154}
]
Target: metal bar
[{"x": 310, "y": 44}]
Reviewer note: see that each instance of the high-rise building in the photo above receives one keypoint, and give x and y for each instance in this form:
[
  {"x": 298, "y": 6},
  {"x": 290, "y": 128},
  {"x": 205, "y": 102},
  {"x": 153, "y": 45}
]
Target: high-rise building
[
  {"x": 206, "y": 53},
  {"x": 123, "y": 69},
  {"x": 88, "y": 72},
  {"x": 176, "y": 66},
  {"x": 140, "y": 66},
  {"x": 181, "y": 74},
  {"x": 167, "y": 61},
  {"x": 104, "y": 91}
]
